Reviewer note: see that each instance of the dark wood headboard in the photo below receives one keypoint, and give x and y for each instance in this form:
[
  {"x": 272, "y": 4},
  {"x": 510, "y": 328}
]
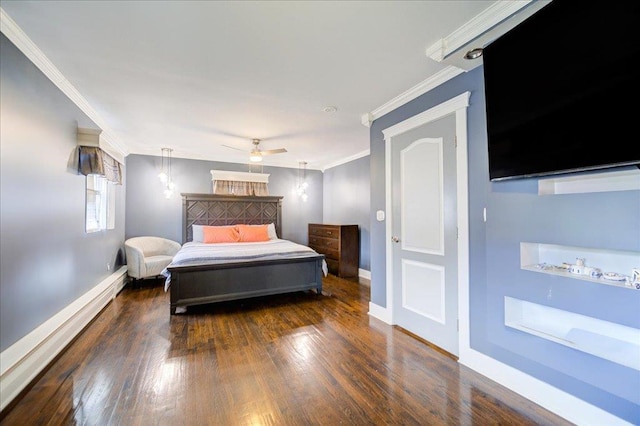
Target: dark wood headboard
[{"x": 217, "y": 210}]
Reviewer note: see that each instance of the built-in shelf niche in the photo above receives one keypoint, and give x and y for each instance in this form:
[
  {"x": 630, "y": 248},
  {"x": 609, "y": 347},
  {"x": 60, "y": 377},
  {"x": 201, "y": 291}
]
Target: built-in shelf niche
[
  {"x": 614, "y": 342},
  {"x": 619, "y": 180},
  {"x": 622, "y": 262}
]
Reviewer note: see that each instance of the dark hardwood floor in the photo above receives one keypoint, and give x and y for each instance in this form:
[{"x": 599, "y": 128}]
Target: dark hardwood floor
[{"x": 298, "y": 359}]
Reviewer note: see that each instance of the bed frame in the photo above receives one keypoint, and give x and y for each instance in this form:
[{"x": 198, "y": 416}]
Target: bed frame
[{"x": 202, "y": 284}]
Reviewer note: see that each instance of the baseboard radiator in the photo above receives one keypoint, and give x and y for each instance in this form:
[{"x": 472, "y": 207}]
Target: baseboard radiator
[{"x": 25, "y": 359}]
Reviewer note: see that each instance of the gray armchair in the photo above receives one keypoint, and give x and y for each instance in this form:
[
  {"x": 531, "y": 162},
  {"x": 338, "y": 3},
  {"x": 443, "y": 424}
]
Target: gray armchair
[{"x": 148, "y": 256}]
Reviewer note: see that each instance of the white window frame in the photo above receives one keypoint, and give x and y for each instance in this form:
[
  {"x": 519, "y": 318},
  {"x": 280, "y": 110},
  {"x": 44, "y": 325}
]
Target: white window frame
[{"x": 99, "y": 204}]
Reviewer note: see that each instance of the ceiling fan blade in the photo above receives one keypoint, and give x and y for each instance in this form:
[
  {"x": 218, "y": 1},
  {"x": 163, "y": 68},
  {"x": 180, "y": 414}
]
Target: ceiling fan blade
[
  {"x": 273, "y": 151},
  {"x": 233, "y": 147}
]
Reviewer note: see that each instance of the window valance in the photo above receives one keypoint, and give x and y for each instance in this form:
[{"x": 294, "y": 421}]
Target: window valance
[
  {"x": 90, "y": 159},
  {"x": 239, "y": 183},
  {"x": 93, "y": 160}
]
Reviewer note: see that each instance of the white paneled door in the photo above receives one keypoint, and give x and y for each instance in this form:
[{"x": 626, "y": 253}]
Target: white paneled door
[{"x": 424, "y": 232}]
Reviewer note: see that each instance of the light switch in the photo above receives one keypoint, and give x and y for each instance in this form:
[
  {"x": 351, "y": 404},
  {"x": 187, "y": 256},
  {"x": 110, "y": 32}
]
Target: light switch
[{"x": 380, "y": 215}]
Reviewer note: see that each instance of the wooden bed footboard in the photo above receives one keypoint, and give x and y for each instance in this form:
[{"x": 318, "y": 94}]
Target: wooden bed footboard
[{"x": 203, "y": 284}]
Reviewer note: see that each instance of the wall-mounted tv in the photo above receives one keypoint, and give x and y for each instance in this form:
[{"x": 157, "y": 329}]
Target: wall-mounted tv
[{"x": 562, "y": 91}]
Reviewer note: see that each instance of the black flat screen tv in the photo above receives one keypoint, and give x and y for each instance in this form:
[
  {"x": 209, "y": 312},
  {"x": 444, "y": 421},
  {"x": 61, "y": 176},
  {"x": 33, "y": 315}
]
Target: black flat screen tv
[{"x": 562, "y": 91}]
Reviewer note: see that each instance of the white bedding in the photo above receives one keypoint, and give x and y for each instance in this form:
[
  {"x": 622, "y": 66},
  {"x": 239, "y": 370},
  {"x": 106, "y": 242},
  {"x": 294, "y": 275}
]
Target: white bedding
[{"x": 193, "y": 253}]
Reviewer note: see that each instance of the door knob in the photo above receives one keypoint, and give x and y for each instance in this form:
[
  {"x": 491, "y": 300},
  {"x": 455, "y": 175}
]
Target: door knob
[{"x": 395, "y": 239}]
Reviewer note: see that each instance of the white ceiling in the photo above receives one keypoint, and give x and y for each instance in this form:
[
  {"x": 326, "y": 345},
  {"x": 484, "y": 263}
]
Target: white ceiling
[{"x": 196, "y": 75}]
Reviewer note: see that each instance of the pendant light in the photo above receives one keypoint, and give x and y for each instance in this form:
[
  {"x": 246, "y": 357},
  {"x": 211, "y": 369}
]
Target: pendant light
[
  {"x": 301, "y": 190},
  {"x": 165, "y": 174}
]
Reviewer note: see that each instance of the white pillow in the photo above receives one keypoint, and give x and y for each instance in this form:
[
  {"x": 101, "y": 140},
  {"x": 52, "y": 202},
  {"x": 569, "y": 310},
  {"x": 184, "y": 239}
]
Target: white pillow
[
  {"x": 198, "y": 233},
  {"x": 271, "y": 231}
]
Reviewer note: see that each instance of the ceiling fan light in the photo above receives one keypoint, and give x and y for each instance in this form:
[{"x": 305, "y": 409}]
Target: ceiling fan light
[{"x": 255, "y": 157}]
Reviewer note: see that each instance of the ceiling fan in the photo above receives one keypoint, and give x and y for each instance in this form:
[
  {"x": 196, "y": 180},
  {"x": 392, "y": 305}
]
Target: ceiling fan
[{"x": 256, "y": 154}]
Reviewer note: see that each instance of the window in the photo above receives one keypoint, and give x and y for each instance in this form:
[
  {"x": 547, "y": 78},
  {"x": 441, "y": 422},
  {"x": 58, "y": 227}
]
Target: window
[{"x": 100, "y": 204}]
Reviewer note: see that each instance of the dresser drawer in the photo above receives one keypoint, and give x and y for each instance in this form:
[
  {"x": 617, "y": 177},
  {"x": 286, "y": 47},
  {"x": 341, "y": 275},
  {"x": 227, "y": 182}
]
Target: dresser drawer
[
  {"x": 329, "y": 243},
  {"x": 328, "y": 253},
  {"x": 327, "y": 231}
]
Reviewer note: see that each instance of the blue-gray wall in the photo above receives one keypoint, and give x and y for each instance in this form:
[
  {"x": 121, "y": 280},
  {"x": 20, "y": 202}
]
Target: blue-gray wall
[
  {"x": 150, "y": 213},
  {"x": 339, "y": 195},
  {"x": 47, "y": 260},
  {"x": 346, "y": 200},
  {"x": 515, "y": 213}
]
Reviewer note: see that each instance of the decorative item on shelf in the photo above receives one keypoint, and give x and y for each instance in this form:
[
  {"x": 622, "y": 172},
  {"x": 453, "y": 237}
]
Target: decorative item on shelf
[
  {"x": 301, "y": 189},
  {"x": 165, "y": 173},
  {"x": 614, "y": 276},
  {"x": 593, "y": 272},
  {"x": 578, "y": 267},
  {"x": 545, "y": 266}
]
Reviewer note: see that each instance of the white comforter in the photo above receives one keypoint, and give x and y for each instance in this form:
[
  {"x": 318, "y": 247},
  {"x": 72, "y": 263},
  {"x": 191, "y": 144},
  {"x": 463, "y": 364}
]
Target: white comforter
[{"x": 200, "y": 253}]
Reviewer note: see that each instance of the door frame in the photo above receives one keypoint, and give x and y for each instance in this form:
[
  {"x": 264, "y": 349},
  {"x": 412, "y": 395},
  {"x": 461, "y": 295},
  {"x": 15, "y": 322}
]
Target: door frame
[{"x": 457, "y": 105}]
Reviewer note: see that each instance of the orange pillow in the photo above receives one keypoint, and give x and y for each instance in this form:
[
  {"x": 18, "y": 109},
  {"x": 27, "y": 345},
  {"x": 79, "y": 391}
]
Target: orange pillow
[
  {"x": 220, "y": 234},
  {"x": 253, "y": 233}
]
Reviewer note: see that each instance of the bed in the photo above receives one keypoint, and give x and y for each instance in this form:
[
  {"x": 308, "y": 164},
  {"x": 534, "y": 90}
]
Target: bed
[{"x": 203, "y": 273}]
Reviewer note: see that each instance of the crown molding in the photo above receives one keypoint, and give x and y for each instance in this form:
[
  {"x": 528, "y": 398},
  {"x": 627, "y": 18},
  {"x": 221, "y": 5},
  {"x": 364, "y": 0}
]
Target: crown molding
[
  {"x": 419, "y": 89},
  {"x": 483, "y": 28},
  {"x": 346, "y": 160},
  {"x": 478, "y": 25},
  {"x": 366, "y": 119},
  {"x": 18, "y": 37}
]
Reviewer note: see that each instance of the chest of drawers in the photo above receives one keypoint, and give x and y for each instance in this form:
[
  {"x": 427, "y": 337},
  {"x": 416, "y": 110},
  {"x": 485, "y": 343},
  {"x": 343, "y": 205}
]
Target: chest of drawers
[{"x": 341, "y": 246}]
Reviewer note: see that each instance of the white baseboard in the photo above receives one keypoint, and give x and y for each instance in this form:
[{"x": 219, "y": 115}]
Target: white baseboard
[
  {"x": 379, "y": 312},
  {"x": 364, "y": 277},
  {"x": 119, "y": 284},
  {"x": 24, "y": 360},
  {"x": 553, "y": 399},
  {"x": 363, "y": 273}
]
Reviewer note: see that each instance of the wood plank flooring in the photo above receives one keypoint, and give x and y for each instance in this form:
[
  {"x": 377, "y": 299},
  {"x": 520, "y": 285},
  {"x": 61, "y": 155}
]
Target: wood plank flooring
[{"x": 298, "y": 359}]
